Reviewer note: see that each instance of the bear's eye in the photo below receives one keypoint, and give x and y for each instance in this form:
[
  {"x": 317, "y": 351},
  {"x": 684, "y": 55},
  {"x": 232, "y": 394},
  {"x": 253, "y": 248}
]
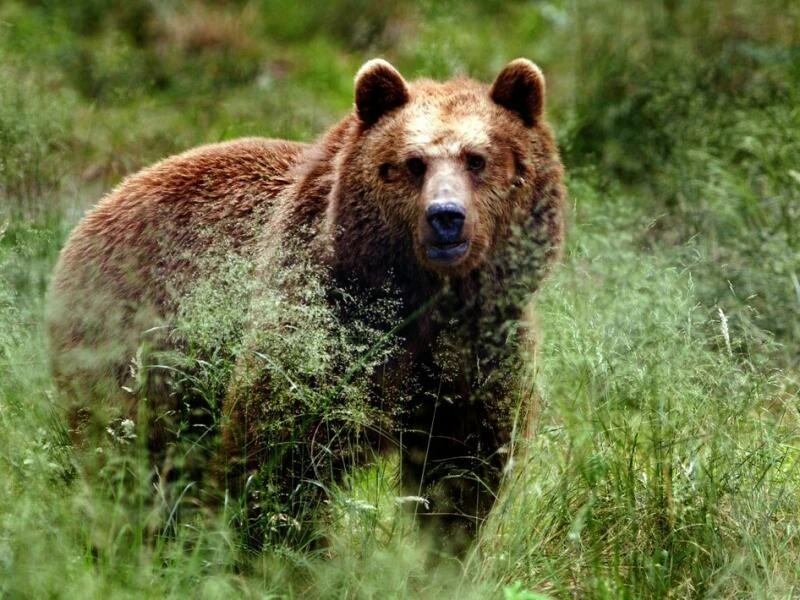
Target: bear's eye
[
  {"x": 386, "y": 171},
  {"x": 416, "y": 166},
  {"x": 475, "y": 162}
]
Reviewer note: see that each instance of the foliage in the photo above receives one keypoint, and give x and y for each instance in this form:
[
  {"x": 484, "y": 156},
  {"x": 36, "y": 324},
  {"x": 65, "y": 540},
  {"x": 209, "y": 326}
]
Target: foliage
[{"x": 664, "y": 460}]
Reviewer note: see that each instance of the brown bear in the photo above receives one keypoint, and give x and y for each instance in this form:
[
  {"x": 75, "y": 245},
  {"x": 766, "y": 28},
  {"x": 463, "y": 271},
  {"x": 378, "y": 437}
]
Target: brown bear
[{"x": 422, "y": 222}]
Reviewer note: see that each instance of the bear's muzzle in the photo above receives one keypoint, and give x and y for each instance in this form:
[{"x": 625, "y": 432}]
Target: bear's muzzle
[{"x": 446, "y": 222}]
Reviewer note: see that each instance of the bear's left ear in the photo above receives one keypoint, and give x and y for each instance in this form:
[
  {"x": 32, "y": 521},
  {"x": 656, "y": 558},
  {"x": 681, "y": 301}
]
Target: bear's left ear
[
  {"x": 379, "y": 89},
  {"x": 520, "y": 88}
]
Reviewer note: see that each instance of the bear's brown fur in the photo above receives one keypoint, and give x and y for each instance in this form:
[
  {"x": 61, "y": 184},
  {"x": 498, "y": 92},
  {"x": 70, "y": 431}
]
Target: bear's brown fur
[
  {"x": 444, "y": 197},
  {"x": 123, "y": 269}
]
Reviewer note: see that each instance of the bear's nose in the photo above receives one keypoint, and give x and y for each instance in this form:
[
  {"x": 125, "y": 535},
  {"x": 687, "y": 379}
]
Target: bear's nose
[{"x": 446, "y": 220}]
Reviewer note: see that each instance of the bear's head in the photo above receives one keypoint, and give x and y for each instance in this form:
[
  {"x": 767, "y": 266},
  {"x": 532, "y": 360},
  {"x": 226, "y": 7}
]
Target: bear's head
[{"x": 449, "y": 169}]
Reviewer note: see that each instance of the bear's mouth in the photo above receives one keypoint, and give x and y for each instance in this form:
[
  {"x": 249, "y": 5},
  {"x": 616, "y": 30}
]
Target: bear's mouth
[{"x": 447, "y": 252}]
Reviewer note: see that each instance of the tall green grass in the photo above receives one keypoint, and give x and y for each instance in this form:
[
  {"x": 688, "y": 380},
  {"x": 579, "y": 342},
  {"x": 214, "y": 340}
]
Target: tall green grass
[{"x": 664, "y": 460}]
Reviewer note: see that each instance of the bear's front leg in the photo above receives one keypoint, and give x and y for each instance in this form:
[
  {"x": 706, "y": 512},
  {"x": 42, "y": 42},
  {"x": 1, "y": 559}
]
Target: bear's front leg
[
  {"x": 453, "y": 456},
  {"x": 268, "y": 463}
]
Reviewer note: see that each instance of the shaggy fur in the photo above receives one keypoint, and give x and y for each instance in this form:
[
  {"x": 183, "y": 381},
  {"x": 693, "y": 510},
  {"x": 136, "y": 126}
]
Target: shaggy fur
[{"x": 356, "y": 207}]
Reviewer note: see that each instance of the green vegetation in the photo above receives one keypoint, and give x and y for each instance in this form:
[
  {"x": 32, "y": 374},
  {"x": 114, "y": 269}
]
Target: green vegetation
[{"x": 665, "y": 460}]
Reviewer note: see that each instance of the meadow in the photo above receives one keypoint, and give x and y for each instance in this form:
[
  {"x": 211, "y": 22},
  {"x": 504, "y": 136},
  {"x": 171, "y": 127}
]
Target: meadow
[{"x": 665, "y": 459}]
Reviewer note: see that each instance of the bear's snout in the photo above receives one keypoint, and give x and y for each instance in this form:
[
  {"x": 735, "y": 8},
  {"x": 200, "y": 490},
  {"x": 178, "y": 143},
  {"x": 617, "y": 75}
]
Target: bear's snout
[
  {"x": 446, "y": 223},
  {"x": 446, "y": 220}
]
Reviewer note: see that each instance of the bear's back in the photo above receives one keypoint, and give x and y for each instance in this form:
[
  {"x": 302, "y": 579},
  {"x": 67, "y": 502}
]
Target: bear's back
[{"x": 143, "y": 244}]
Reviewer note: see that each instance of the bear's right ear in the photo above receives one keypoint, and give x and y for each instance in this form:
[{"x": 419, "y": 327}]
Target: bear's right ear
[
  {"x": 520, "y": 88},
  {"x": 379, "y": 89}
]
